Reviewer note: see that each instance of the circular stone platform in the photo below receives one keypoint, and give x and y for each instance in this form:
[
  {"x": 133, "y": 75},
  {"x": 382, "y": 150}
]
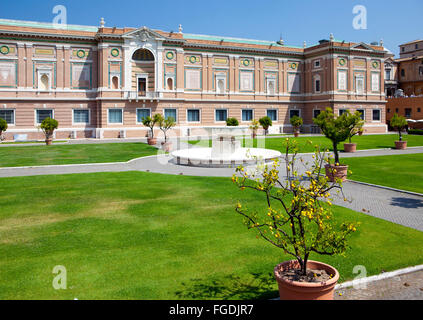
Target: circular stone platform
[{"x": 205, "y": 157}]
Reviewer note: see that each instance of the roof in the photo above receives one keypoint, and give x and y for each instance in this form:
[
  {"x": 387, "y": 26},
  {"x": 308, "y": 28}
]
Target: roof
[
  {"x": 46, "y": 25},
  {"x": 408, "y": 59},
  {"x": 411, "y": 42}
]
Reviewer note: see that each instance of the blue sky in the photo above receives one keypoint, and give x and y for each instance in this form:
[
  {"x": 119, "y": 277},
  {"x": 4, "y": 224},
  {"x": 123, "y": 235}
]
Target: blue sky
[{"x": 307, "y": 20}]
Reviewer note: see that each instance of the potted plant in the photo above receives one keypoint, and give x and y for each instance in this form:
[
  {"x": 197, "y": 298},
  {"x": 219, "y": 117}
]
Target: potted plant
[
  {"x": 3, "y": 128},
  {"x": 354, "y": 122},
  {"x": 296, "y": 123},
  {"x": 165, "y": 125},
  {"x": 336, "y": 130},
  {"x": 232, "y": 122},
  {"x": 296, "y": 220},
  {"x": 151, "y": 123},
  {"x": 48, "y": 125},
  {"x": 254, "y": 127},
  {"x": 399, "y": 123},
  {"x": 360, "y": 132},
  {"x": 266, "y": 123}
]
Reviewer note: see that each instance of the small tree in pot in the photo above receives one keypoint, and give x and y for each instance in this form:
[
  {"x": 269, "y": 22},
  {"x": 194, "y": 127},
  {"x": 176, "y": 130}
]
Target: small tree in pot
[
  {"x": 151, "y": 123},
  {"x": 296, "y": 123},
  {"x": 399, "y": 124},
  {"x": 232, "y": 122},
  {"x": 3, "y": 128},
  {"x": 48, "y": 126},
  {"x": 337, "y": 130},
  {"x": 165, "y": 125},
  {"x": 354, "y": 122},
  {"x": 297, "y": 220},
  {"x": 254, "y": 127},
  {"x": 266, "y": 123}
]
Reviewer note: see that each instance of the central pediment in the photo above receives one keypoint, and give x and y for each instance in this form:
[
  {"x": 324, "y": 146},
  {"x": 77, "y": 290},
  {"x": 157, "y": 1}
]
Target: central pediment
[{"x": 144, "y": 34}]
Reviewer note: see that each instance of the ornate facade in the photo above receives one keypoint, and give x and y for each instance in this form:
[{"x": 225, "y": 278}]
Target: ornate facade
[{"x": 99, "y": 82}]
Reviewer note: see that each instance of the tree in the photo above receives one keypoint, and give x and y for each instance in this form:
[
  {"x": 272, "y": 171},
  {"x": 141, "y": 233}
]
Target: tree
[
  {"x": 151, "y": 123},
  {"x": 296, "y": 123},
  {"x": 254, "y": 127},
  {"x": 48, "y": 126},
  {"x": 354, "y": 123},
  {"x": 166, "y": 124},
  {"x": 399, "y": 123},
  {"x": 335, "y": 129},
  {"x": 3, "y": 128},
  {"x": 232, "y": 122},
  {"x": 297, "y": 215},
  {"x": 266, "y": 123}
]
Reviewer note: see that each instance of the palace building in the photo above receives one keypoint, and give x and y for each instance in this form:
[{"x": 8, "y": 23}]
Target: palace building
[{"x": 99, "y": 82}]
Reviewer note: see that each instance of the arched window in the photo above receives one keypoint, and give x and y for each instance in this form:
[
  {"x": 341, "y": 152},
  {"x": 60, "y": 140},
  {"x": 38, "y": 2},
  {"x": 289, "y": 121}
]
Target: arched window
[
  {"x": 143, "y": 55},
  {"x": 115, "y": 82},
  {"x": 44, "y": 82},
  {"x": 169, "y": 84}
]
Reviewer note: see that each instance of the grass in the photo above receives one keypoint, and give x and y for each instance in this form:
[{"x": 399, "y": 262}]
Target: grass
[
  {"x": 363, "y": 142},
  {"x": 178, "y": 238},
  {"x": 33, "y": 142},
  {"x": 73, "y": 154},
  {"x": 399, "y": 171}
]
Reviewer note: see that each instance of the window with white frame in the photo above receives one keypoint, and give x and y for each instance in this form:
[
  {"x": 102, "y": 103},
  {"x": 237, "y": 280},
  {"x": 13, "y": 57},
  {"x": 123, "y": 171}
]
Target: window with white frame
[
  {"x": 221, "y": 115},
  {"x": 359, "y": 84},
  {"x": 8, "y": 116},
  {"x": 376, "y": 115},
  {"x": 388, "y": 74},
  {"x": 170, "y": 113},
  {"x": 43, "y": 114},
  {"x": 317, "y": 64},
  {"x": 342, "y": 80},
  {"x": 142, "y": 84},
  {"x": 193, "y": 115},
  {"x": 81, "y": 116},
  {"x": 247, "y": 115},
  {"x": 293, "y": 113},
  {"x": 316, "y": 113},
  {"x": 362, "y": 113},
  {"x": 115, "y": 116},
  {"x": 341, "y": 111},
  {"x": 272, "y": 114},
  {"x": 375, "y": 82},
  {"x": 317, "y": 84},
  {"x": 143, "y": 113}
]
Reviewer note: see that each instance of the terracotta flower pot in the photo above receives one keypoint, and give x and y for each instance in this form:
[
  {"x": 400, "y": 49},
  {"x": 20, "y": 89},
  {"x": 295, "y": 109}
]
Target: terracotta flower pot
[
  {"x": 152, "y": 141},
  {"x": 167, "y": 146},
  {"x": 296, "y": 134},
  {"x": 49, "y": 141},
  {"x": 293, "y": 290},
  {"x": 333, "y": 172},
  {"x": 350, "y": 147},
  {"x": 401, "y": 145}
]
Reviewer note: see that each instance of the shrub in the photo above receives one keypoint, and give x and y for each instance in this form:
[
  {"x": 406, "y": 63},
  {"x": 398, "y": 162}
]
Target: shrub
[
  {"x": 416, "y": 131},
  {"x": 354, "y": 123},
  {"x": 3, "y": 127},
  {"x": 399, "y": 123},
  {"x": 232, "y": 122},
  {"x": 335, "y": 129},
  {"x": 166, "y": 124},
  {"x": 296, "y": 122},
  {"x": 48, "y": 126},
  {"x": 151, "y": 123},
  {"x": 266, "y": 123}
]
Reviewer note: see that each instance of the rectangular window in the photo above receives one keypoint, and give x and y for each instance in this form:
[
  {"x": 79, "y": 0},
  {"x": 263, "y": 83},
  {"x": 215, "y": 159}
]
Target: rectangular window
[
  {"x": 419, "y": 109},
  {"x": 273, "y": 114},
  {"x": 170, "y": 113},
  {"x": 402, "y": 73},
  {"x": 115, "y": 116},
  {"x": 359, "y": 85},
  {"x": 294, "y": 82},
  {"x": 342, "y": 80},
  {"x": 317, "y": 85},
  {"x": 193, "y": 115},
  {"x": 43, "y": 114},
  {"x": 193, "y": 79},
  {"x": 317, "y": 63},
  {"x": 142, "y": 113},
  {"x": 408, "y": 113},
  {"x": 375, "y": 82},
  {"x": 246, "y": 81},
  {"x": 420, "y": 71},
  {"x": 247, "y": 115},
  {"x": 293, "y": 113},
  {"x": 376, "y": 115},
  {"x": 341, "y": 111},
  {"x": 362, "y": 113},
  {"x": 142, "y": 86},
  {"x": 221, "y": 115},
  {"x": 8, "y": 115},
  {"x": 388, "y": 74},
  {"x": 81, "y": 116},
  {"x": 316, "y": 113}
]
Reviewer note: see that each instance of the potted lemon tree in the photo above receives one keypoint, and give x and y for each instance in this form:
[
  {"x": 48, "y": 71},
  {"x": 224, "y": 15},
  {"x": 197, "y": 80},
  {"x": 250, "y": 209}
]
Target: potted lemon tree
[
  {"x": 254, "y": 127},
  {"x": 355, "y": 124},
  {"x": 266, "y": 123},
  {"x": 48, "y": 125},
  {"x": 399, "y": 123},
  {"x": 165, "y": 125},
  {"x": 337, "y": 130},
  {"x": 151, "y": 123},
  {"x": 296, "y": 123},
  {"x": 297, "y": 218},
  {"x": 3, "y": 128}
]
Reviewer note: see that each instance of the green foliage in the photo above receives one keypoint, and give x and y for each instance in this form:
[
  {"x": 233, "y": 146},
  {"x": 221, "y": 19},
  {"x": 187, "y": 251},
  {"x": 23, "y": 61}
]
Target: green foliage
[
  {"x": 166, "y": 124},
  {"x": 416, "y": 132},
  {"x": 151, "y": 123},
  {"x": 399, "y": 123},
  {"x": 3, "y": 125},
  {"x": 298, "y": 215},
  {"x": 296, "y": 122},
  {"x": 354, "y": 123},
  {"x": 335, "y": 129},
  {"x": 266, "y": 123},
  {"x": 232, "y": 122},
  {"x": 48, "y": 126},
  {"x": 254, "y": 125}
]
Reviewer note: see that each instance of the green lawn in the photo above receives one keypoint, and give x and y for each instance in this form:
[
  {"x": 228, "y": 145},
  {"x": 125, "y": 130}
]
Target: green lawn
[
  {"x": 399, "y": 171},
  {"x": 363, "y": 143},
  {"x": 178, "y": 238},
  {"x": 73, "y": 154}
]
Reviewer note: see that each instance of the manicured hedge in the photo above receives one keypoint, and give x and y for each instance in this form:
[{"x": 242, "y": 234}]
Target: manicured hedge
[{"x": 416, "y": 131}]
